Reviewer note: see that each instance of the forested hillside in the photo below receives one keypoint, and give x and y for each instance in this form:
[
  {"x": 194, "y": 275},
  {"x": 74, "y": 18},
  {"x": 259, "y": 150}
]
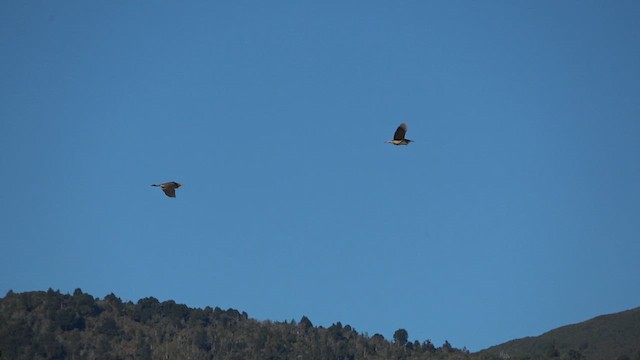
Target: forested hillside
[
  {"x": 614, "y": 336},
  {"x": 51, "y": 325}
]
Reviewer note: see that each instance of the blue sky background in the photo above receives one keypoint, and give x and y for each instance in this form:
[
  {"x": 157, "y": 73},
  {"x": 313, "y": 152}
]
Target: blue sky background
[{"x": 516, "y": 210}]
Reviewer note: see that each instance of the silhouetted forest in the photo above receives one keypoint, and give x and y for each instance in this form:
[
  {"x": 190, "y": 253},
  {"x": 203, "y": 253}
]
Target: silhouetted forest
[
  {"x": 613, "y": 336},
  {"x": 51, "y": 325}
]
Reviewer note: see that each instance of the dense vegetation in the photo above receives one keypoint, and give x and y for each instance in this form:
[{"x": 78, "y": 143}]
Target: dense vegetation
[
  {"x": 614, "y": 336},
  {"x": 51, "y": 325}
]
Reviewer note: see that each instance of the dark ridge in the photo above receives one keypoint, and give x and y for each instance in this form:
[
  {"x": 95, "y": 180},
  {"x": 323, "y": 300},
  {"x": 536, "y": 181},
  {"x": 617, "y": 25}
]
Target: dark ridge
[{"x": 614, "y": 336}]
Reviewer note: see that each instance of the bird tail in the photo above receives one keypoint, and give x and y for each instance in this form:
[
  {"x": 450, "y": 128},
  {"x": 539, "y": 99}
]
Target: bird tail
[{"x": 155, "y": 185}]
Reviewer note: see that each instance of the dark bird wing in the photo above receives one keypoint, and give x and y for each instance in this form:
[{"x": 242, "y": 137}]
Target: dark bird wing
[
  {"x": 169, "y": 188},
  {"x": 400, "y": 132},
  {"x": 170, "y": 191}
]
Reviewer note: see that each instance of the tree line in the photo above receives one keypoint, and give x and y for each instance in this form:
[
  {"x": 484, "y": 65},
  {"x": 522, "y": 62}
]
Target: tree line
[{"x": 52, "y": 325}]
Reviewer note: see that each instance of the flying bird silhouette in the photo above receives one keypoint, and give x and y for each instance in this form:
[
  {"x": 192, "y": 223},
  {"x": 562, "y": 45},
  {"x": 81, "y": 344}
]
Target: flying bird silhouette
[
  {"x": 169, "y": 188},
  {"x": 398, "y": 137}
]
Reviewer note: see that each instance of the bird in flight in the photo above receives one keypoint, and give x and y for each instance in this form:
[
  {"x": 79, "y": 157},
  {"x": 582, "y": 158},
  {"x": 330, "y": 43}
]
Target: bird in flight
[
  {"x": 169, "y": 188},
  {"x": 398, "y": 137}
]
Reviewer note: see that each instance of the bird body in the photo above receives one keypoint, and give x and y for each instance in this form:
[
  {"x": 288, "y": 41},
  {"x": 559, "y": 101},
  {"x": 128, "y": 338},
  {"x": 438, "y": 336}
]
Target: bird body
[
  {"x": 398, "y": 137},
  {"x": 169, "y": 188}
]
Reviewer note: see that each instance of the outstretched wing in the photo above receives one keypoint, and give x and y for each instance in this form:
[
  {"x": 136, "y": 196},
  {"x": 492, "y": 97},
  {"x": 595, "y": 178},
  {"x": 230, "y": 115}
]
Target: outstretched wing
[
  {"x": 169, "y": 191},
  {"x": 400, "y": 132}
]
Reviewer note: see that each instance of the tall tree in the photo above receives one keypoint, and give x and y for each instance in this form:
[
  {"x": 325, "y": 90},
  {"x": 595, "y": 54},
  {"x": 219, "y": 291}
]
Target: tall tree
[{"x": 400, "y": 337}]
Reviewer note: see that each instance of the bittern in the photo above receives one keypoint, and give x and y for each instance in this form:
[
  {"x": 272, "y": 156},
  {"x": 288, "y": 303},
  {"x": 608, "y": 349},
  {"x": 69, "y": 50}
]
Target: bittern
[
  {"x": 398, "y": 137},
  {"x": 169, "y": 188}
]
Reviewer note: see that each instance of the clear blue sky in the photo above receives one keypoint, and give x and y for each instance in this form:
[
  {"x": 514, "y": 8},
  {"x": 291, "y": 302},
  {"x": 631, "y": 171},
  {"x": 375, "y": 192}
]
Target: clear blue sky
[{"x": 516, "y": 210}]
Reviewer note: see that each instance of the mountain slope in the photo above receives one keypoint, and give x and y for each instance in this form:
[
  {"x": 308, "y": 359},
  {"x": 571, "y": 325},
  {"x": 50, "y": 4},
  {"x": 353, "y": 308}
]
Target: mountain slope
[
  {"x": 50, "y": 325},
  {"x": 613, "y": 336}
]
